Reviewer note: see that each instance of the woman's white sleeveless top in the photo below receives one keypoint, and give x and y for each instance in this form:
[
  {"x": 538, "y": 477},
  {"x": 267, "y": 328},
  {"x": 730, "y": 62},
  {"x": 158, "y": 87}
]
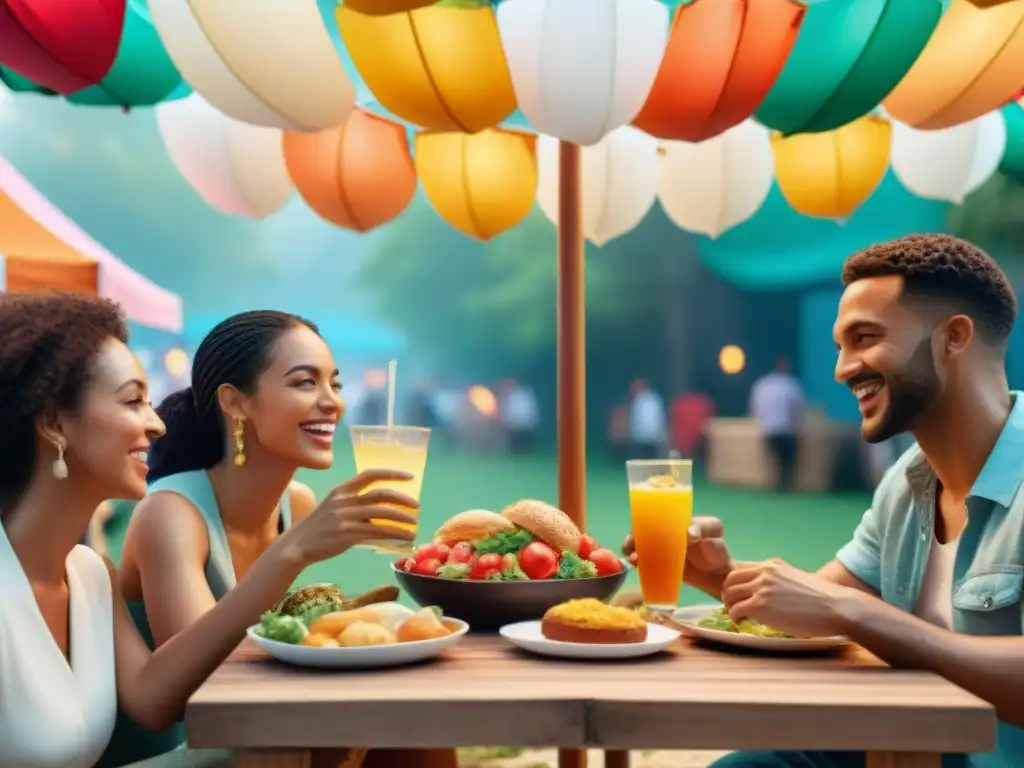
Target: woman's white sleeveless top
[{"x": 53, "y": 715}]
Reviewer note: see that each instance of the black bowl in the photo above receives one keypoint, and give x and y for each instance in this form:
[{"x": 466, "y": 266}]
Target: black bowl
[{"x": 492, "y": 604}]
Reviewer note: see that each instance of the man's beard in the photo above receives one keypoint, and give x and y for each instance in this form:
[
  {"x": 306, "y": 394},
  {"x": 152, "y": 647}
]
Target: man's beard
[{"x": 911, "y": 391}]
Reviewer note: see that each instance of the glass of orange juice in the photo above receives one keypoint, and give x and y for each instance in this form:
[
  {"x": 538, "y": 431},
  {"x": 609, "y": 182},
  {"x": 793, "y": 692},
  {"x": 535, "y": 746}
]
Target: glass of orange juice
[
  {"x": 401, "y": 448},
  {"x": 661, "y": 507}
]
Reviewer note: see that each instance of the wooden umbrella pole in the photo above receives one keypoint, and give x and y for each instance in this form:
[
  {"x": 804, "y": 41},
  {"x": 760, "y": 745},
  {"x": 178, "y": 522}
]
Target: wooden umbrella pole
[{"x": 572, "y": 375}]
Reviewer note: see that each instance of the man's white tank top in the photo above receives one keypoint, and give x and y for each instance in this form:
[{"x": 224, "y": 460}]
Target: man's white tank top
[{"x": 55, "y": 715}]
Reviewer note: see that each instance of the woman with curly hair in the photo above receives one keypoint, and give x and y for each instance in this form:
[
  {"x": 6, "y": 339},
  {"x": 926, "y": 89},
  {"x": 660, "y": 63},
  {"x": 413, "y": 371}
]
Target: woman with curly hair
[{"x": 76, "y": 426}]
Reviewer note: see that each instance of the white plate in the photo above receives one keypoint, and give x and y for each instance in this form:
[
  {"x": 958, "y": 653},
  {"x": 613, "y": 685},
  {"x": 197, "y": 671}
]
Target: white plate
[
  {"x": 686, "y": 619},
  {"x": 369, "y": 657},
  {"x": 527, "y": 635}
]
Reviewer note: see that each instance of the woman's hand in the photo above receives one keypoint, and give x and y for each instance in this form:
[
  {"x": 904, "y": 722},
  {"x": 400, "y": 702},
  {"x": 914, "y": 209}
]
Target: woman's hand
[{"x": 342, "y": 520}]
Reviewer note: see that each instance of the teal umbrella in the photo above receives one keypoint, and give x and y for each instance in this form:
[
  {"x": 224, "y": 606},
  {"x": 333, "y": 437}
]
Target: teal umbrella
[
  {"x": 849, "y": 55},
  {"x": 1013, "y": 158},
  {"x": 142, "y": 74}
]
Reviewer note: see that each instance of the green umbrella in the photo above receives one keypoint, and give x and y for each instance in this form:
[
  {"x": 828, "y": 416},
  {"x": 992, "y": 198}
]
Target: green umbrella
[
  {"x": 142, "y": 74},
  {"x": 1013, "y": 158},
  {"x": 849, "y": 55}
]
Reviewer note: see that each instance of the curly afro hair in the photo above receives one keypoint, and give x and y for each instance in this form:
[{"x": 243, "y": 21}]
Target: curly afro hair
[
  {"x": 47, "y": 344},
  {"x": 949, "y": 270}
]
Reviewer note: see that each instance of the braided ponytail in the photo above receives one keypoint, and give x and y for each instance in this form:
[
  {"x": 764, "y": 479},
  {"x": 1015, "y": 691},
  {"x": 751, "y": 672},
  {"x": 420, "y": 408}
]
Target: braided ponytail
[{"x": 237, "y": 351}]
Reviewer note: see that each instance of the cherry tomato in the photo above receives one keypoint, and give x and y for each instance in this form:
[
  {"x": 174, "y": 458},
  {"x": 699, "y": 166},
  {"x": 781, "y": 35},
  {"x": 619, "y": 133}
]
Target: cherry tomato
[
  {"x": 508, "y": 562},
  {"x": 605, "y": 561},
  {"x": 587, "y": 545},
  {"x": 428, "y": 567},
  {"x": 400, "y": 564},
  {"x": 409, "y": 565},
  {"x": 485, "y": 566},
  {"x": 431, "y": 550},
  {"x": 461, "y": 553},
  {"x": 538, "y": 560}
]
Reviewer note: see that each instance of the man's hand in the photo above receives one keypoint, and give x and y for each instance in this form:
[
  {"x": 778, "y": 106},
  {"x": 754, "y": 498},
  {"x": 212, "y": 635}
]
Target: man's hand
[
  {"x": 785, "y": 598},
  {"x": 707, "y": 557}
]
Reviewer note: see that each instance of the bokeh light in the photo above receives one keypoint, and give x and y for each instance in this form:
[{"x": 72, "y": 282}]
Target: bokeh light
[
  {"x": 731, "y": 359},
  {"x": 176, "y": 362}
]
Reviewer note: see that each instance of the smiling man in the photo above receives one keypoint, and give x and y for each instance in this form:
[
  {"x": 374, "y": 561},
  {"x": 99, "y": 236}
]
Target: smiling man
[{"x": 933, "y": 575}]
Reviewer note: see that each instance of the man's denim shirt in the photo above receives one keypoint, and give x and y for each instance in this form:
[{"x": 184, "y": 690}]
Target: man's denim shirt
[{"x": 890, "y": 550}]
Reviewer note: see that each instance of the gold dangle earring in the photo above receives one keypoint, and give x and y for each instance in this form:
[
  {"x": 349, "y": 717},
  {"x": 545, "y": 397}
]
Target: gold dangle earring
[
  {"x": 239, "y": 435},
  {"x": 60, "y": 467}
]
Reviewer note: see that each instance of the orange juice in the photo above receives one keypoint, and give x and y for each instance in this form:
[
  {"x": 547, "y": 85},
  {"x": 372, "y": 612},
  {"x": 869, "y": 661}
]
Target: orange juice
[
  {"x": 662, "y": 513},
  {"x": 403, "y": 449}
]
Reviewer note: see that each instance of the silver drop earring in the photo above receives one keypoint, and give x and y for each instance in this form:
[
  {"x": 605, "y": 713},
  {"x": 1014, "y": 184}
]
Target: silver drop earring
[{"x": 60, "y": 467}]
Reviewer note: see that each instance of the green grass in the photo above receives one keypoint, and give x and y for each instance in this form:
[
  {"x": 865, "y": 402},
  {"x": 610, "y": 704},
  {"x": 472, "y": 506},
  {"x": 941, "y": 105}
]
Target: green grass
[{"x": 805, "y": 530}]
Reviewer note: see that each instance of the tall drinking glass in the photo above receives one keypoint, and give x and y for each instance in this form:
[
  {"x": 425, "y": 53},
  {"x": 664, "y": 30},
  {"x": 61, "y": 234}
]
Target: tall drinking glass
[
  {"x": 661, "y": 507},
  {"x": 401, "y": 448}
]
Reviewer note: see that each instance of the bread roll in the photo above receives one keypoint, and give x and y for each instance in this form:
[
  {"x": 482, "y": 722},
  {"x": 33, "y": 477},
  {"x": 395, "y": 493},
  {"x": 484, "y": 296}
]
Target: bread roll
[
  {"x": 564, "y": 632},
  {"x": 549, "y": 524},
  {"x": 471, "y": 525}
]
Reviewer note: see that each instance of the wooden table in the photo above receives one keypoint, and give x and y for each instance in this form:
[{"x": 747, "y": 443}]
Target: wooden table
[{"x": 484, "y": 693}]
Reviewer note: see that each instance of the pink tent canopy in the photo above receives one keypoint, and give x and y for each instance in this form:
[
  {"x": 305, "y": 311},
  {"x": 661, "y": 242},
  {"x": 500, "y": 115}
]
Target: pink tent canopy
[{"x": 41, "y": 248}]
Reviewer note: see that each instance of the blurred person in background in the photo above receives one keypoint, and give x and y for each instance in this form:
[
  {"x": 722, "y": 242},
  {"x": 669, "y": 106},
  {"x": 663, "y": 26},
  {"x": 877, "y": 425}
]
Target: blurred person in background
[
  {"x": 422, "y": 411},
  {"x": 691, "y": 413},
  {"x": 373, "y": 406},
  {"x": 519, "y": 415},
  {"x": 648, "y": 427},
  {"x": 777, "y": 404}
]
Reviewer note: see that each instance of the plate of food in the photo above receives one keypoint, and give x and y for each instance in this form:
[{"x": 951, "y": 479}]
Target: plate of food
[
  {"x": 492, "y": 569},
  {"x": 590, "y": 629},
  {"x": 317, "y": 632},
  {"x": 711, "y": 623}
]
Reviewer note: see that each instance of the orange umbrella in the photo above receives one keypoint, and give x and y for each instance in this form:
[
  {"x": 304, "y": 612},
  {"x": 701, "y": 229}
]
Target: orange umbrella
[
  {"x": 358, "y": 175},
  {"x": 830, "y": 174},
  {"x": 481, "y": 184},
  {"x": 721, "y": 60},
  {"x": 441, "y": 68},
  {"x": 973, "y": 63}
]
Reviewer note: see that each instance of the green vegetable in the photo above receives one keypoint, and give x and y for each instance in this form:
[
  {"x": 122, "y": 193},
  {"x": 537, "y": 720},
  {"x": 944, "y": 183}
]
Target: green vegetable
[
  {"x": 512, "y": 573},
  {"x": 310, "y": 613},
  {"x": 301, "y": 600},
  {"x": 721, "y": 621},
  {"x": 572, "y": 566},
  {"x": 454, "y": 571},
  {"x": 503, "y": 542},
  {"x": 283, "y": 629}
]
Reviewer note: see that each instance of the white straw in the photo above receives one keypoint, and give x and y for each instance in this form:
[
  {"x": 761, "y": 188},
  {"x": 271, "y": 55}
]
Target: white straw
[{"x": 392, "y": 371}]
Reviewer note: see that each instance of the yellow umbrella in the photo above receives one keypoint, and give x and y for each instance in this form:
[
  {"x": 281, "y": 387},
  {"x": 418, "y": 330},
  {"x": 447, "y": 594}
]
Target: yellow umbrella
[
  {"x": 481, "y": 184},
  {"x": 830, "y": 174},
  {"x": 441, "y": 68},
  {"x": 973, "y": 64}
]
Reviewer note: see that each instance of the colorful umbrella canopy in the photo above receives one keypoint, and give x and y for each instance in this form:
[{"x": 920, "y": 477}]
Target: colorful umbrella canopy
[
  {"x": 829, "y": 175},
  {"x": 440, "y": 67},
  {"x": 263, "y": 62},
  {"x": 710, "y": 186},
  {"x": 721, "y": 59},
  {"x": 358, "y": 176},
  {"x": 849, "y": 55},
  {"x": 1012, "y": 163},
  {"x": 973, "y": 64},
  {"x": 483, "y": 183},
  {"x": 42, "y": 40},
  {"x": 580, "y": 81},
  {"x": 142, "y": 73}
]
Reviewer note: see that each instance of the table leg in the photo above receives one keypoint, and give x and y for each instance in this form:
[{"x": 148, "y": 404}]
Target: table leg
[
  {"x": 616, "y": 758},
  {"x": 572, "y": 758},
  {"x": 274, "y": 758},
  {"x": 904, "y": 760}
]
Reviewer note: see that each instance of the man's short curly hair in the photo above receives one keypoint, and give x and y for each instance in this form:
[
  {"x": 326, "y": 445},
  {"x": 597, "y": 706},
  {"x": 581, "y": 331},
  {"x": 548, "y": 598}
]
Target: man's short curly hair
[
  {"x": 47, "y": 344},
  {"x": 945, "y": 269}
]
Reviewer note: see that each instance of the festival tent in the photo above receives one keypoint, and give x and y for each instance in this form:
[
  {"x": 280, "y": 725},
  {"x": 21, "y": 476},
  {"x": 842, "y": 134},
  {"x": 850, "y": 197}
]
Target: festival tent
[{"x": 42, "y": 249}]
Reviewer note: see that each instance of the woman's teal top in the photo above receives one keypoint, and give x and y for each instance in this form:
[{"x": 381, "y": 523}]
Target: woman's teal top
[{"x": 131, "y": 742}]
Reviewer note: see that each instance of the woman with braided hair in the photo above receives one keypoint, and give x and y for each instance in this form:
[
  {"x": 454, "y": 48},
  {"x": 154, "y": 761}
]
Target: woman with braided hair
[
  {"x": 76, "y": 425},
  {"x": 222, "y": 506}
]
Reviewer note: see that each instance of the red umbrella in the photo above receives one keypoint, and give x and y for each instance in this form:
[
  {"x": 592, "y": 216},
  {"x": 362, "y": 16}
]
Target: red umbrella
[{"x": 62, "y": 45}]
